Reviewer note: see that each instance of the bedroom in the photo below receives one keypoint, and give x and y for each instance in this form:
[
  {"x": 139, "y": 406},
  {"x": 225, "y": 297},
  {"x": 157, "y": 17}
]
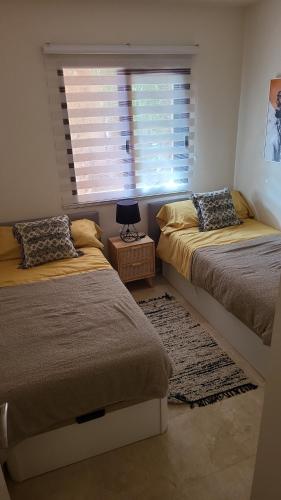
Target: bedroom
[{"x": 237, "y": 57}]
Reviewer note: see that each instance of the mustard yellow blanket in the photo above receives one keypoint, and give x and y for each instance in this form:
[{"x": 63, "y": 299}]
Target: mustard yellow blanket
[
  {"x": 177, "y": 248},
  {"x": 92, "y": 260}
]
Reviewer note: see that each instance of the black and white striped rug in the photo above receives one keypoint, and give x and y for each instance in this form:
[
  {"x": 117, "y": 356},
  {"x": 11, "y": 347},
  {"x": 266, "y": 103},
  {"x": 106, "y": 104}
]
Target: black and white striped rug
[{"x": 203, "y": 372}]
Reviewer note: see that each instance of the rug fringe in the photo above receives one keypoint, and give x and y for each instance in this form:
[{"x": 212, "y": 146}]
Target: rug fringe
[{"x": 214, "y": 398}]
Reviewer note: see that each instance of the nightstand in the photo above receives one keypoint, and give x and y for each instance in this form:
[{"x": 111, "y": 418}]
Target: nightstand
[{"x": 133, "y": 261}]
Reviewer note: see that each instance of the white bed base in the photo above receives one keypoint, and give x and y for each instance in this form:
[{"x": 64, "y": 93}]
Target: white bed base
[
  {"x": 244, "y": 340},
  {"x": 73, "y": 443}
]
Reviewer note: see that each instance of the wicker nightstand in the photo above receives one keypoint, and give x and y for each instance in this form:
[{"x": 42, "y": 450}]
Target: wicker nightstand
[{"x": 133, "y": 261}]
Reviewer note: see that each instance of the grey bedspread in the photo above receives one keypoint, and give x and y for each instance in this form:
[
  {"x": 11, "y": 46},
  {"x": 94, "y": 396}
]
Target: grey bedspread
[
  {"x": 72, "y": 345},
  {"x": 244, "y": 278}
]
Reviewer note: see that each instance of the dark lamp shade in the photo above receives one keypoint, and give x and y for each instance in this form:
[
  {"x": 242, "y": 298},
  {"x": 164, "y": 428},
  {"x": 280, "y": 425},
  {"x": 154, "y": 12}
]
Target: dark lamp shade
[{"x": 127, "y": 212}]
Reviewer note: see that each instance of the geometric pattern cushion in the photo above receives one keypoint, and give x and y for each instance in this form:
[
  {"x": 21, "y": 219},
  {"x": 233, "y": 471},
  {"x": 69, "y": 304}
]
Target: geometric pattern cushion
[
  {"x": 196, "y": 197},
  {"x": 218, "y": 212},
  {"x": 215, "y": 210},
  {"x": 45, "y": 240}
]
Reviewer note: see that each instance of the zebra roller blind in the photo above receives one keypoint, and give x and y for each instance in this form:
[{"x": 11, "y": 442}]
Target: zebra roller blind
[{"x": 122, "y": 128}]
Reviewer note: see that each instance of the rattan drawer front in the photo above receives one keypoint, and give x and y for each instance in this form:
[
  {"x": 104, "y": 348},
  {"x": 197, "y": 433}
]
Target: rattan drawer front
[
  {"x": 133, "y": 255},
  {"x": 133, "y": 261},
  {"x": 136, "y": 270}
]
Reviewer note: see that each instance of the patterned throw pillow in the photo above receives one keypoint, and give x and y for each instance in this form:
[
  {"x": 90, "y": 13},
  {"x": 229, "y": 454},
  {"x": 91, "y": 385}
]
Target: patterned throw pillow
[
  {"x": 215, "y": 210},
  {"x": 45, "y": 240},
  {"x": 198, "y": 196}
]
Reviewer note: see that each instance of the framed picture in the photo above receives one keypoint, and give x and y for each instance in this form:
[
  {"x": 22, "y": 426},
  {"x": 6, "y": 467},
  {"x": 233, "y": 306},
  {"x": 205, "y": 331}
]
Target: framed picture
[{"x": 273, "y": 128}]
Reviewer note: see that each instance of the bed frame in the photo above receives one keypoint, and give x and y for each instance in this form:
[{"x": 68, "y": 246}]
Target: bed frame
[
  {"x": 75, "y": 442},
  {"x": 70, "y": 444},
  {"x": 244, "y": 340}
]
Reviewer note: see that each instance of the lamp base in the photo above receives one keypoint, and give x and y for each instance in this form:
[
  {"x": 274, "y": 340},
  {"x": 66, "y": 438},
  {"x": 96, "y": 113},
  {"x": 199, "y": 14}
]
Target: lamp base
[{"x": 129, "y": 233}]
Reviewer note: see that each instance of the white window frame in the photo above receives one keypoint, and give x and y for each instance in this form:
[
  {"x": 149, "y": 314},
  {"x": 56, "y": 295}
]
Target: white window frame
[{"x": 58, "y": 56}]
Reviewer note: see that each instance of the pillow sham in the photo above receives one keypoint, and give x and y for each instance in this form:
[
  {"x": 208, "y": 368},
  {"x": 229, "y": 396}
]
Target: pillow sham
[
  {"x": 45, "y": 240},
  {"x": 86, "y": 233},
  {"x": 9, "y": 247},
  {"x": 217, "y": 210},
  {"x": 177, "y": 215}
]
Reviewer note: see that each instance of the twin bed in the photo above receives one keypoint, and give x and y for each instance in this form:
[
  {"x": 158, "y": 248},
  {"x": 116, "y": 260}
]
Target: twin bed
[
  {"x": 230, "y": 275},
  {"x": 82, "y": 369}
]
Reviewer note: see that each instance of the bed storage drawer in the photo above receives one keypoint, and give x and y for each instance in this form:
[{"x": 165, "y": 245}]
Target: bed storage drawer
[{"x": 66, "y": 445}]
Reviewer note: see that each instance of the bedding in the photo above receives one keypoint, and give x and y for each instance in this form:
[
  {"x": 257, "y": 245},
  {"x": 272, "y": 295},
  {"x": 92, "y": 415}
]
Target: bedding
[
  {"x": 182, "y": 214},
  {"x": 244, "y": 277},
  {"x": 91, "y": 260},
  {"x": 177, "y": 248},
  {"x": 86, "y": 233},
  {"x": 45, "y": 240},
  {"x": 240, "y": 266},
  {"x": 178, "y": 215},
  {"x": 241, "y": 206},
  {"x": 73, "y": 345},
  {"x": 9, "y": 247}
]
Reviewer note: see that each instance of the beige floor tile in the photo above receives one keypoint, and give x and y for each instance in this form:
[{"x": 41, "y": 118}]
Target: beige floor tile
[
  {"x": 231, "y": 483},
  {"x": 207, "y": 454}
]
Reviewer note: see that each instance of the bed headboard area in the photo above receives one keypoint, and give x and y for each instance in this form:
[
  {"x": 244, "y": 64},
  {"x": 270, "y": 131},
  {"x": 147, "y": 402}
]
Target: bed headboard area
[
  {"x": 94, "y": 216},
  {"x": 153, "y": 208}
]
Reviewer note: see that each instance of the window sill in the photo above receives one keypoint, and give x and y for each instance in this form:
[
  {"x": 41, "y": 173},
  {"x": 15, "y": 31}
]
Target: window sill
[{"x": 75, "y": 206}]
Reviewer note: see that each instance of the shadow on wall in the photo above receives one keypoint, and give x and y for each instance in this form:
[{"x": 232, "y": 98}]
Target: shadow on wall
[{"x": 264, "y": 206}]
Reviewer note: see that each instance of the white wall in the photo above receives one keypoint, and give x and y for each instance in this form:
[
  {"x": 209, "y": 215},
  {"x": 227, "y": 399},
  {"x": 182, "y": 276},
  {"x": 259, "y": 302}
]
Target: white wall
[
  {"x": 259, "y": 180},
  {"x": 29, "y": 184}
]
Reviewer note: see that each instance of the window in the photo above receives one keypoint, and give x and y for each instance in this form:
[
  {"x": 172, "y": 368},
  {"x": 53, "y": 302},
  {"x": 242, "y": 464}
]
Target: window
[{"x": 126, "y": 130}]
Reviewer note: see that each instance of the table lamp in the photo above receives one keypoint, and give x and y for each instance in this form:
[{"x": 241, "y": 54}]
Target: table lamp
[{"x": 128, "y": 214}]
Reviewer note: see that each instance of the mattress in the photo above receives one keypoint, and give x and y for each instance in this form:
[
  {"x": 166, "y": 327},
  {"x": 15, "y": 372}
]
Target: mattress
[{"x": 72, "y": 341}]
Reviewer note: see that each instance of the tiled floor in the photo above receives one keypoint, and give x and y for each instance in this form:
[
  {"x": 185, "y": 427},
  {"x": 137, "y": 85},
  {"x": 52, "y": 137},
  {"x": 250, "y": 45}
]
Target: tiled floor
[{"x": 207, "y": 454}]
